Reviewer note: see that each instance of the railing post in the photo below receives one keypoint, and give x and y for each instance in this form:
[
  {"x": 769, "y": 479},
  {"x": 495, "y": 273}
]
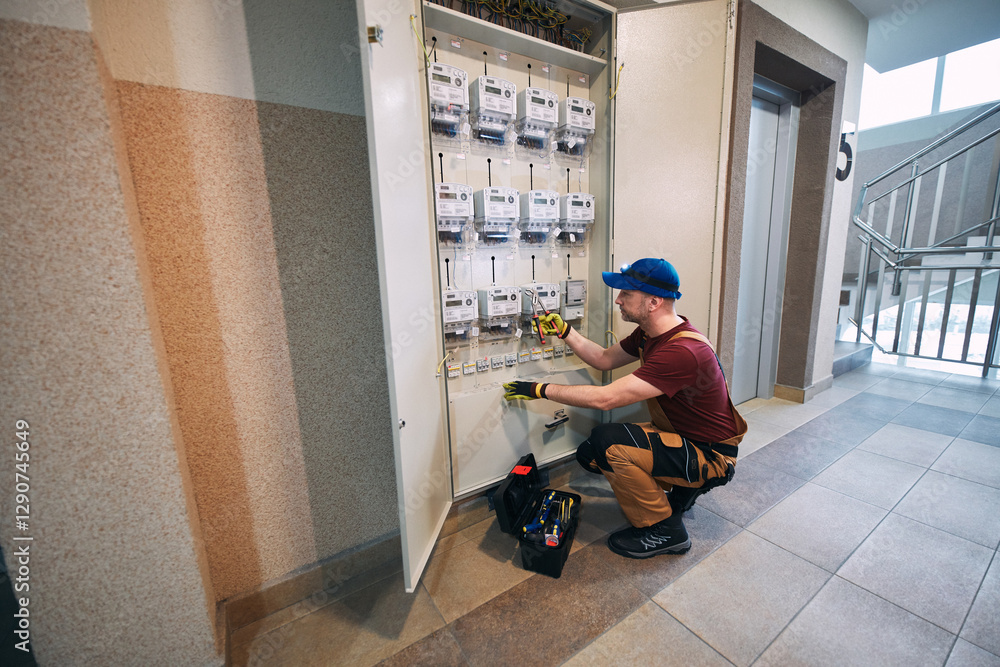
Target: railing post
[
  {"x": 991, "y": 343},
  {"x": 993, "y": 213},
  {"x": 863, "y": 263},
  {"x": 896, "y": 283}
]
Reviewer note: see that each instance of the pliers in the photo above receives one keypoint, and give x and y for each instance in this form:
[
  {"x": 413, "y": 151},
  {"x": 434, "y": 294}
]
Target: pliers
[{"x": 536, "y": 323}]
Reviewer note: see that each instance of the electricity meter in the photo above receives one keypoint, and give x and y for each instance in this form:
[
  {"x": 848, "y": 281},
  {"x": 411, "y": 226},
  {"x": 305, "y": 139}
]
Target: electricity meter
[
  {"x": 460, "y": 309},
  {"x": 449, "y": 94},
  {"x": 548, "y": 297},
  {"x": 496, "y": 216},
  {"x": 493, "y": 102},
  {"x": 498, "y": 309},
  {"x": 499, "y": 301},
  {"x": 539, "y": 216},
  {"x": 574, "y": 293},
  {"x": 576, "y": 126},
  {"x": 537, "y": 116},
  {"x": 454, "y": 209},
  {"x": 576, "y": 217}
]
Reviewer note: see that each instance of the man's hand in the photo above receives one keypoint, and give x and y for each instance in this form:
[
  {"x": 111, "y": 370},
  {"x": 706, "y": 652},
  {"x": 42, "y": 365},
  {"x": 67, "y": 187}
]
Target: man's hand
[
  {"x": 553, "y": 325},
  {"x": 528, "y": 391}
]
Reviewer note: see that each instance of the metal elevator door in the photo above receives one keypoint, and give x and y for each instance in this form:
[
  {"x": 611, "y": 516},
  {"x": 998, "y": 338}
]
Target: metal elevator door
[{"x": 770, "y": 158}]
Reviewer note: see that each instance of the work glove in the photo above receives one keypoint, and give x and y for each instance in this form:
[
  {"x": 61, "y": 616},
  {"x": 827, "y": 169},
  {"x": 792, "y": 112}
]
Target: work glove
[
  {"x": 553, "y": 325},
  {"x": 528, "y": 391}
]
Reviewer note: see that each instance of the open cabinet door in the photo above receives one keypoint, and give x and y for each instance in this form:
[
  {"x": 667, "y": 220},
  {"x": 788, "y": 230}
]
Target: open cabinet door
[
  {"x": 396, "y": 122},
  {"x": 671, "y": 144}
]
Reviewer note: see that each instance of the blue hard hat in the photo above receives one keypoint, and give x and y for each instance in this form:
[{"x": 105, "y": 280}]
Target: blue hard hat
[{"x": 652, "y": 276}]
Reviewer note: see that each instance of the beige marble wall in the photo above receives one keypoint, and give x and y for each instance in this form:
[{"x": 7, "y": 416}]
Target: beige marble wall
[{"x": 115, "y": 558}]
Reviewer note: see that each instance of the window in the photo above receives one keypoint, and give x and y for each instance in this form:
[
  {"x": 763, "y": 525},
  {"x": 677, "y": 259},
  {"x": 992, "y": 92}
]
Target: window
[
  {"x": 971, "y": 76},
  {"x": 897, "y": 95}
]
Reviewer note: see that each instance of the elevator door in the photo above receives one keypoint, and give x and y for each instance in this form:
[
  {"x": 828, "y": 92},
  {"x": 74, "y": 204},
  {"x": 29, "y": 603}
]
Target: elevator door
[{"x": 770, "y": 157}]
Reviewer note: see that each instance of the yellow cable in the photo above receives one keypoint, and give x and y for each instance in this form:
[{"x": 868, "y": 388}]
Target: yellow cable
[
  {"x": 413, "y": 24},
  {"x": 609, "y": 331},
  {"x": 617, "y": 82},
  {"x": 442, "y": 363}
]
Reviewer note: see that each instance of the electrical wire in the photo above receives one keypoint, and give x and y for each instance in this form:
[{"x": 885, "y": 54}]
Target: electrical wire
[
  {"x": 617, "y": 82},
  {"x": 413, "y": 24}
]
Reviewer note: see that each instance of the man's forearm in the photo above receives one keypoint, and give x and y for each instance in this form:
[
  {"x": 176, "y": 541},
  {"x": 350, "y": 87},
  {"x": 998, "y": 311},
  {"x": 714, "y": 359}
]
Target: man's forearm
[
  {"x": 586, "y": 349},
  {"x": 579, "y": 395}
]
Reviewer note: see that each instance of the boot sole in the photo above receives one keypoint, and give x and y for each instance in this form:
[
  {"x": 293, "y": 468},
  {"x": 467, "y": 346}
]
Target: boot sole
[{"x": 677, "y": 549}]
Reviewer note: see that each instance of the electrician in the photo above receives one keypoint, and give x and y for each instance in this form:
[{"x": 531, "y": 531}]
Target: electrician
[{"x": 689, "y": 447}]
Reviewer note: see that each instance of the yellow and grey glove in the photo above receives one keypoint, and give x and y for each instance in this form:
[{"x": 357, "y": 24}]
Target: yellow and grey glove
[
  {"x": 528, "y": 391},
  {"x": 554, "y": 325}
]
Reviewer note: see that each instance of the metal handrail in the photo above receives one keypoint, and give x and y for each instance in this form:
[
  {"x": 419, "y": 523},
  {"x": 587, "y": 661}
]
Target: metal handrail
[
  {"x": 927, "y": 149},
  {"x": 896, "y": 257}
]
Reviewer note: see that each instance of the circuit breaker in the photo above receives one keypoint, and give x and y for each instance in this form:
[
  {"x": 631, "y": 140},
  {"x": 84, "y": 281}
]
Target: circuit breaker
[
  {"x": 539, "y": 216},
  {"x": 493, "y": 107},
  {"x": 454, "y": 209},
  {"x": 574, "y": 296},
  {"x": 449, "y": 95}
]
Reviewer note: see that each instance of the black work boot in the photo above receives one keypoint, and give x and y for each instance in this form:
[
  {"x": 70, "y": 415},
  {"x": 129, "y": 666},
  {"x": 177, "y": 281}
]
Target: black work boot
[
  {"x": 666, "y": 537},
  {"x": 682, "y": 497}
]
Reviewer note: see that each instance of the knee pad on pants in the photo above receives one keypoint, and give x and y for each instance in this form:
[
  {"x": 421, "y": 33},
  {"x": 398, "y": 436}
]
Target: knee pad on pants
[{"x": 592, "y": 453}]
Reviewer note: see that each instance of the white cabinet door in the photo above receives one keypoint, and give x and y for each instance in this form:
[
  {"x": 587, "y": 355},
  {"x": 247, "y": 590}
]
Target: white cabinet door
[{"x": 401, "y": 184}]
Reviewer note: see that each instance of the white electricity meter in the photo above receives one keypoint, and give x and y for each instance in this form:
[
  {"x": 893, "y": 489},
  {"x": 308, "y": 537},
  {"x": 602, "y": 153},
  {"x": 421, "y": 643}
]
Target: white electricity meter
[
  {"x": 576, "y": 207},
  {"x": 453, "y": 204},
  {"x": 548, "y": 297},
  {"x": 577, "y": 120},
  {"x": 539, "y": 216},
  {"x": 574, "y": 293},
  {"x": 460, "y": 306},
  {"x": 537, "y": 117},
  {"x": 496, "y": 215},
  {"x": 493, "y": 107},
  {"x": 449, "y": 93},
  {"x": 499, "y": 301}
]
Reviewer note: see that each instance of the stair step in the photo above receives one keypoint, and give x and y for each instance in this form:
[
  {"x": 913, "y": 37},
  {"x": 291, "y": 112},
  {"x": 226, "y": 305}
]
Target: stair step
[{"x": 847, "y": 356}]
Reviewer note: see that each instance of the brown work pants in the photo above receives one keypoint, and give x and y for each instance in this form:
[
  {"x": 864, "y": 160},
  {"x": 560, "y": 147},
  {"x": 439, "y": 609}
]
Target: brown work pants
[{"x": 641, "y": 462}]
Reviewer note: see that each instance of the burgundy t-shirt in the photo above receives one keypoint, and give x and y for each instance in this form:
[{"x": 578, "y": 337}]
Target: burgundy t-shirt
[{"x": 695, "y": 398}]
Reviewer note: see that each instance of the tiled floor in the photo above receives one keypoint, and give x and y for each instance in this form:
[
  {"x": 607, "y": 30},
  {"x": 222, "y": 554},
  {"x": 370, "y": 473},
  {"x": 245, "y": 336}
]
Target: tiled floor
[{"x": 861, "y": 529}]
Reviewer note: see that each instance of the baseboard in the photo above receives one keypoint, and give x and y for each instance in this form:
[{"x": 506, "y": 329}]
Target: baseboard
[{"x": 802, "y": 395}]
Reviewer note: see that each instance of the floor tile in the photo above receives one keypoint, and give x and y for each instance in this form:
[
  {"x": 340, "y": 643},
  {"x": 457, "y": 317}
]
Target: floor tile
[
  {"x": 874, "y": 479},
  {"x": 901, "y": 389},
  {"x": 787, "y": 414},
  {"x": 969, "y": 655},
  {"x": 800, "y": 454},
  {"x": 746, "y": 407},
  {"x": 464, "y": 514},
  {"x": 760, "y": 433},
  {"x": 833, "y": 426},
  {"x": 971, "y": 460},
  {"x": 856, "y": 380},
  {"x": 362, "y": 629},
  {"x": 904, "y": 443},
  {"x": 474, "y": 531},
  {"x": 586, "y": 601},
  {"x": 832, "y": 397},
  {"x": 920, "y": 375},
  {"x": 754, "y": 490},
  {"x": 874, "y": 406},
  {"x": 876, "y": 369},
  {"x": 970, "y": 383},
  {"x": 938, "y": 586},
  {"x": 991, "y": 408},
  {"x": 707, "y": 530},
  {"x": 438, "y": 649},
  {"x": 600, "y": 512},
  {"x": 956, "y": 399},
  {"x": 818, "y": 524},
  {"x": 462, "y": 578},
  {"x": 722, "y": 598},
  {"x": 981, "y": 625},
  {"x": 664, "y": 641},
  {"x": 982, "y": 429},
  {"x": 933, "y": 418},
  {"x": 956, "y": 506},
  {"x": 846, "y": 625}
]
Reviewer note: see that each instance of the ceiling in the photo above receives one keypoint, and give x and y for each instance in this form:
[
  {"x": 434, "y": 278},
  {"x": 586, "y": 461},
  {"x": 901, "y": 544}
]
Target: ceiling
[{"x": 903, "y": 32}]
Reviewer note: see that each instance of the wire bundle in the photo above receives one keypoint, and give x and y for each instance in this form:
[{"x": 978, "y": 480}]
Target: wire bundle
[{"x": 537, "y": 19}]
